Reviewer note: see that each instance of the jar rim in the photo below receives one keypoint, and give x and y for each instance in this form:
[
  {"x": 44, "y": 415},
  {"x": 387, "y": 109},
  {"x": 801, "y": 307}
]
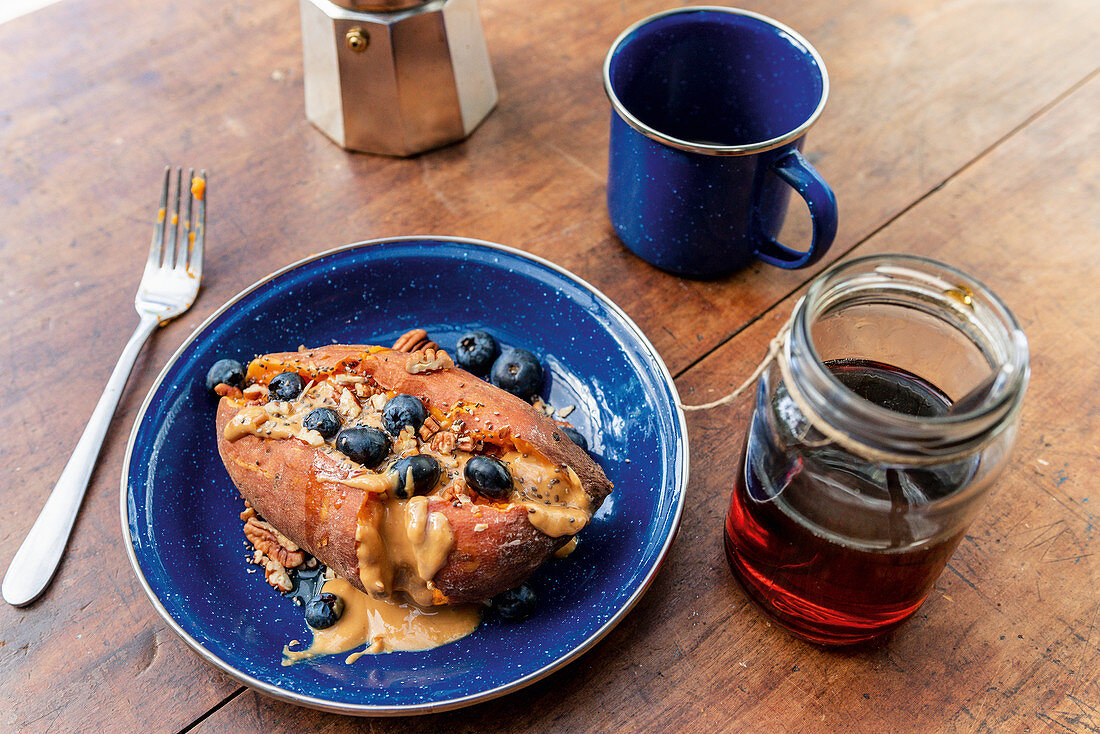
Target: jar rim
[{"x": 878, "y": 426}]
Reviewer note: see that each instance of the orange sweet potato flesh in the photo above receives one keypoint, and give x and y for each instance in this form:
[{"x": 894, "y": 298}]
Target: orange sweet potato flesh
[{"x": 280, "y": 477}]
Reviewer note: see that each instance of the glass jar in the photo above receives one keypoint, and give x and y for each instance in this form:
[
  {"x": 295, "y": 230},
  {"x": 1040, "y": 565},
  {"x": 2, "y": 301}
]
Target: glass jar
[{"x": 879, "y": 427}]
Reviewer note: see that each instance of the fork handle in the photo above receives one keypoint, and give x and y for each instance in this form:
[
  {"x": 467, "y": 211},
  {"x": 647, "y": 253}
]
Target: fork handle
[{"x": 36, "y": 561}]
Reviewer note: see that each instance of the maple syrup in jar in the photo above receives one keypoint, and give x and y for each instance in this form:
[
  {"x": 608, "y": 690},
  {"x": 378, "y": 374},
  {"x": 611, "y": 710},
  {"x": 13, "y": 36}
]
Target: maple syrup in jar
[{"x": 877, "y": 430}]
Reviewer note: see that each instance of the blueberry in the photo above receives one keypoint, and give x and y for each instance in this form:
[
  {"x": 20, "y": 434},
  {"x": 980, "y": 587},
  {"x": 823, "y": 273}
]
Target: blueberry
[
  {"x": 475, "y": 352},
  {"x": 575, "y": 436},
  {"x": 488, "y": 476},
  {"x": 425, "y": 473},
  {"x": 519, "y": 372},
  {"x": 323, "y": 610},
  {"x": 285, "y": 386},
  {"x": 229, "y": 371},
  {"x": 401, "y": 411},
  {"x": 515, "y": 605},
  {"x": 364, "y": 445},
  {"x": 325, "y": 421}
]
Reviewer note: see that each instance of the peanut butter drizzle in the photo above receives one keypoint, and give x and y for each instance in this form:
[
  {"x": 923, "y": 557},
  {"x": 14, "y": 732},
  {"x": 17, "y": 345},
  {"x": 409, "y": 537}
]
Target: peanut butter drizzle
[
  {"x": 385, "y": 625},
  {"x": 368, "y": 481},
  {"x": 280, "y": 420},
  {"x": 566, "y": 550},
  {"x": 429, "y": 536},
  {"x": 247, "y": 422},
  {"x": 375, "y": 566},
  {"x": 400, "y": 546},
  {"x": 554, "y": 497}
]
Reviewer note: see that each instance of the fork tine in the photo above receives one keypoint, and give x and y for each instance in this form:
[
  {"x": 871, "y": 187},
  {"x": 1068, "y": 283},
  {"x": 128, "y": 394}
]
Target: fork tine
[
  {"x": 170, "y": 245},
  {"x": 198, "y": 232},
  {"x": 184, "y": 244},
  {"x": 169, "y": 284},
  {"x": 156, "y": 247}
]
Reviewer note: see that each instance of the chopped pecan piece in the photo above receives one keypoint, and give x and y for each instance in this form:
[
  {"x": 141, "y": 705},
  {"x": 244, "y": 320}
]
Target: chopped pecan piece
[
  {"x": 274, "y": 573},
  {"x": 374, "y": 420},
  {"x": 255, "y": 392},
  {"x": 449, "y": 493},
  {"x": 406, "y": 441},
  {"x": 273, "y": 544},
  {"x": 429, "y": 429},
  {"x": 443, "y": 442},
  {"x": 468, "y": 443},
  {"x": 278, "y": 408},
  {"x": 227, "y": 391},
  {"x": 349, "y": 407},
  {"x": 543, "y": 407},
  {"x": 324, "y": 391},
  {"x": 413, "y": 341},
  {"x": 313, "y": 438}
]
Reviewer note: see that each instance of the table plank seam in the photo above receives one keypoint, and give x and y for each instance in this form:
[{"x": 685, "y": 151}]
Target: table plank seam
[{"x": 213, "y": 710}]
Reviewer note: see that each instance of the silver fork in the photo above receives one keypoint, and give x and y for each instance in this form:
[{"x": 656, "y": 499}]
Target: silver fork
[{"x": 168, "y": 287}]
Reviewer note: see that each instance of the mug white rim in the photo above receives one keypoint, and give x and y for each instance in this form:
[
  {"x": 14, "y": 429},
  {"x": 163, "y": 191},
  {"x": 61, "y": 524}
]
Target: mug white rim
[{"x": 708, "y": 148}]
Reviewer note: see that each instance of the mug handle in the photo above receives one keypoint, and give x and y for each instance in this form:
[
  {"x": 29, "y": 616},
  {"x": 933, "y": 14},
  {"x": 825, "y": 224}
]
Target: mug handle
[{"x": 803, "y": 178}]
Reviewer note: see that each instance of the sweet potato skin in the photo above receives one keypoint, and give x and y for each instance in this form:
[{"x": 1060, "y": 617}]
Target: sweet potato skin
[{"x": 280, "y": 477}]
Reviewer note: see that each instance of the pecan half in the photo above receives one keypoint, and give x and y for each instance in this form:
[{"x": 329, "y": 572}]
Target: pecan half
[
  {"x": 428, "y": 360},
  {"x": 274, "y": 573},
  {"x": 273, "y": 544},
  {"x": 413, "y": 341}
]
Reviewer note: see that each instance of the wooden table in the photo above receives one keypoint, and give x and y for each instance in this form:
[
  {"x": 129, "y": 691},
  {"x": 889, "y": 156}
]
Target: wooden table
[{"x": 962, "y": 131}]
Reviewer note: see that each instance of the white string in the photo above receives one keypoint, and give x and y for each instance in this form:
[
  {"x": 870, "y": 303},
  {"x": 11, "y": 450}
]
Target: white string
[
  {"x": 773, "y": 351},
  {"x": 779, "y": 352}
]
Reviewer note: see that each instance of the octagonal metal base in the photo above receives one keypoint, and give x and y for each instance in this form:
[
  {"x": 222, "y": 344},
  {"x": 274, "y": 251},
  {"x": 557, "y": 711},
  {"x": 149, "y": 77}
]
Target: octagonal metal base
[{"x": 397, "y": 83}]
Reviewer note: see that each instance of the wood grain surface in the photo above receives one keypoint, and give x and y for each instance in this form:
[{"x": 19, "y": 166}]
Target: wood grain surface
[{"x": 961, "y": 130}]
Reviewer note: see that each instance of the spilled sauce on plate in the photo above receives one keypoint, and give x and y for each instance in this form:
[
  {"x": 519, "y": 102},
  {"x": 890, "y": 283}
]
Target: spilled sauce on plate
[{"x": 384, "y": 625}]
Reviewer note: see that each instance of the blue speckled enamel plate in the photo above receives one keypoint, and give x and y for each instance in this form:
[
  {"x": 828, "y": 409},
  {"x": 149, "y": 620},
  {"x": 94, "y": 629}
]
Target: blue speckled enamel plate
[{"x": 180, "y": 510}]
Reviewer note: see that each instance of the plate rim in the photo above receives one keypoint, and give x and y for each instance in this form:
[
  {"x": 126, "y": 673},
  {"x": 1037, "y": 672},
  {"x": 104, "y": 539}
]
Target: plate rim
[{"x": 434, "y": 706}]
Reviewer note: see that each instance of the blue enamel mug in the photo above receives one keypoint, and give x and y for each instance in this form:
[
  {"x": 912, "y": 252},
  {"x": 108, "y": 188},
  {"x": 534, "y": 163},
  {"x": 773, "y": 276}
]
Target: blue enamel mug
[{"x": 710, "y": 108}]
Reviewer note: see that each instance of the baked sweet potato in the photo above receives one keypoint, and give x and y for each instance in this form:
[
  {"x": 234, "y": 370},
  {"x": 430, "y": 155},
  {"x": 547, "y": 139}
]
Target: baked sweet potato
[{"x": 449, "y": 545}]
